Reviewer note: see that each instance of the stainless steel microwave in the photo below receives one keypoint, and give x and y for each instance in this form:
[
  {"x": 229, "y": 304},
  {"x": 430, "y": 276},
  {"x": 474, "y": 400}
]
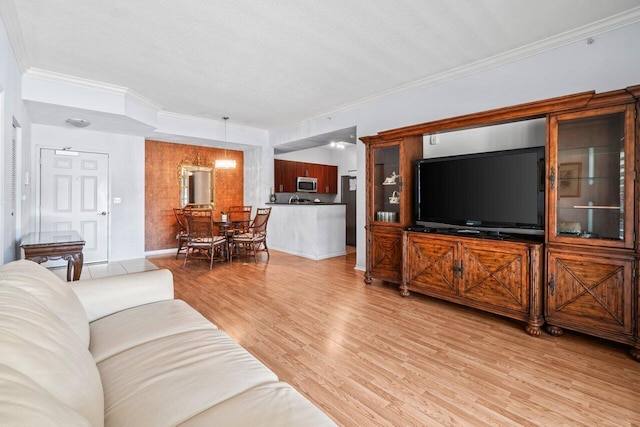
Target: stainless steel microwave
[{"x": 305, "y": 184}]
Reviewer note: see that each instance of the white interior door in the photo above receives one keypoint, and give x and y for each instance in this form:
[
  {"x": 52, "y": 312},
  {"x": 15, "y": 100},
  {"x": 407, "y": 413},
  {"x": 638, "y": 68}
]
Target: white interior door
[{"x": 74, "y": 195}]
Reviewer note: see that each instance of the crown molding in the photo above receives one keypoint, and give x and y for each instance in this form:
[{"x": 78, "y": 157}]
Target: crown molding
[
  {"x": 9, "y": 17},
  {"x": 614, "y": 22},
  {"x": 53, "y": 77},
  {"x": 180, "y": 116}
]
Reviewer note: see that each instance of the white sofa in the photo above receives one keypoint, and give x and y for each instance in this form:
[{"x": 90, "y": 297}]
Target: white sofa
[{"x": 121, "y": 351}]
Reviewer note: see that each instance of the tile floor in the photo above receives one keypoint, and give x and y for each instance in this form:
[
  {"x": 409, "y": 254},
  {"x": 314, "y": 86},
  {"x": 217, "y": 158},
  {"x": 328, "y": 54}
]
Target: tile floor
[{"x": 93, "y": 271}]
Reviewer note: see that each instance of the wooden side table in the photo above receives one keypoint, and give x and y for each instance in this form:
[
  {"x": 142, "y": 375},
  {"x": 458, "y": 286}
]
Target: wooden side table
[{"x": 48, "y": 245}]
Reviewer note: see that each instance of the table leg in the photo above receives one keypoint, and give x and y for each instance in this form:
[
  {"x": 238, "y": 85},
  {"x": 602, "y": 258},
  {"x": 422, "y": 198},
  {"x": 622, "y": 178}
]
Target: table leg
[{"x": 74, "y": 264}]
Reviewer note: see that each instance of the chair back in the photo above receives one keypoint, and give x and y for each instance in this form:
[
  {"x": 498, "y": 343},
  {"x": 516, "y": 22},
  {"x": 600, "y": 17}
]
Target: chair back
[
  {"x": 199, "y": 223},
  {"x": 241, "y": 217},
  {"x": 180, "y": 220},
  {"x": 240, "y": 213},
  {"x": 259, "y": 223}
]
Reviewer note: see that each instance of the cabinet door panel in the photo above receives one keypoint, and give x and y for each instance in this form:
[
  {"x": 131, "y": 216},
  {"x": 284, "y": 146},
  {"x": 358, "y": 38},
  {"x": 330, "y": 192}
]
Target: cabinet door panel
[
  {"x": 591, "y": 176},
  {"x": 332, "y": 179},
  {"x": 279, "y": 175},
  {"x": 587, "y": 291},
  {"x": 495, "y": 276},
  {"x": 290, "y": 177},
  {"x": 386, "y": 255},
  {"x": 430, "y": 263}
]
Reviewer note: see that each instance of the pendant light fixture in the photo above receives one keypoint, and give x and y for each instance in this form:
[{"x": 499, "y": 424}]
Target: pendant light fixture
[{"x": 225, "y": 163}]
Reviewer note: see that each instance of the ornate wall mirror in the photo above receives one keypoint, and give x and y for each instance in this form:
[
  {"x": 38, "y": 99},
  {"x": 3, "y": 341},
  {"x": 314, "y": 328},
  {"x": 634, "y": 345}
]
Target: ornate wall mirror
[{"x": 196, "y": 183}]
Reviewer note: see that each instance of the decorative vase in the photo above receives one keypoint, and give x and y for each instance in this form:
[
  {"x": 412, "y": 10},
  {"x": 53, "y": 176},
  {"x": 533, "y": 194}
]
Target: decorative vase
[{"x": 224, "y": 218}]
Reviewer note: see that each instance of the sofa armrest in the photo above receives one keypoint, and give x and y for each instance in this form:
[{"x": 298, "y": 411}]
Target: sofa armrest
[{"x": 105, "y": 296}]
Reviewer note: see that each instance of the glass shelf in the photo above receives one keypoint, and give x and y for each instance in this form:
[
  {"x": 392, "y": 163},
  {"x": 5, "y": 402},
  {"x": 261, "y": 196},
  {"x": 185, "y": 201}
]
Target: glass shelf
[
  {"x": 386, "y": 184},
  {"x": 590, "y": 177}
]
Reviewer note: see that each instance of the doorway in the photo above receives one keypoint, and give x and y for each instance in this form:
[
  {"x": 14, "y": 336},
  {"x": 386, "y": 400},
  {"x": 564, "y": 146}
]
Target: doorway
[
  {"x": 74, "y": 195},
  {"x": 348, "y": 192}
]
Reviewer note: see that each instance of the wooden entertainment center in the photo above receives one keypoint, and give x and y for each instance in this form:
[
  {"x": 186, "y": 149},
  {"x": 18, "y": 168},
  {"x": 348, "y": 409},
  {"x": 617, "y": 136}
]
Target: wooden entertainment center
[{"x": 582, "y": 277}]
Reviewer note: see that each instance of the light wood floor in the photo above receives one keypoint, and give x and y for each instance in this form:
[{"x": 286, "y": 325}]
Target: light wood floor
[{"x": 369, "y": 357}]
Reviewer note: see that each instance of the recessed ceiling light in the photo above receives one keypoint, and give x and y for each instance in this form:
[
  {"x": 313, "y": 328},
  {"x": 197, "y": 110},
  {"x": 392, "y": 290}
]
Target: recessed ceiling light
[{"x": 79, "y": 123}]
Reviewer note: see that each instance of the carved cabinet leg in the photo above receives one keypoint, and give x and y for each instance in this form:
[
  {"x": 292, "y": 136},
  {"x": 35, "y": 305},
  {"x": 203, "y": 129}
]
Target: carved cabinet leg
[
  {"x": 404, "y": 290},
  {"x": 367, "y": 278},
  {"x": 635, "y": 352},
  {"x": 534, "y": 326},
  {"x": 554, "y": 330}
]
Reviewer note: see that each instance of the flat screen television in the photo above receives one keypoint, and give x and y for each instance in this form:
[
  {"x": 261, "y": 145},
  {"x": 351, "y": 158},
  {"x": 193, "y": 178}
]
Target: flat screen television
[{"x": 503, "y": 189}]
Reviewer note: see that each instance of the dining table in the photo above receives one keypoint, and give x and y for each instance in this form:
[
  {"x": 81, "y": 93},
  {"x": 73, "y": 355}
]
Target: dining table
[{"x": 228, "y": 229}]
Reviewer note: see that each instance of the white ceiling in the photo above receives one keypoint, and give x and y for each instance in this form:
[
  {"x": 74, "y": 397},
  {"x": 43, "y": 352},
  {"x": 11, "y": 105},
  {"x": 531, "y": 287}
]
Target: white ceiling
[{"x": 267, "y": 64}]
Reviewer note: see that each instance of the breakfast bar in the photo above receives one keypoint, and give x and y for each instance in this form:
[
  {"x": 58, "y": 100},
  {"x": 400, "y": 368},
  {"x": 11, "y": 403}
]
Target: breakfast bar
[{"x": 315, "y": 230}]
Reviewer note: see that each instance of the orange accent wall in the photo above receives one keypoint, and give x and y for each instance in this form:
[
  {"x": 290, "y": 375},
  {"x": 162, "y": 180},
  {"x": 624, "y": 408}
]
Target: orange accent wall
[{"x": 162, "y": 189}]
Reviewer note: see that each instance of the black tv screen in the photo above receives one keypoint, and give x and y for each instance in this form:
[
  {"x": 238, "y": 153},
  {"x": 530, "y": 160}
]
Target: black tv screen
[{"x": 497, "y": 189}]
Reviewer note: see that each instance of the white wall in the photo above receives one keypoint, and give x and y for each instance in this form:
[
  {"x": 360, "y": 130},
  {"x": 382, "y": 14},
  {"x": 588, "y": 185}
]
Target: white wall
[
  {"x": 612, "y": 62},
  {"x": 11, "y": 107},
  {"x": 126, "y": 181}
]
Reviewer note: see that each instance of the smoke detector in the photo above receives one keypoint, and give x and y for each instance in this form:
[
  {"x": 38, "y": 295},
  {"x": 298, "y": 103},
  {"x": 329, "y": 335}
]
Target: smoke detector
[{"x": 79, "y": 123}]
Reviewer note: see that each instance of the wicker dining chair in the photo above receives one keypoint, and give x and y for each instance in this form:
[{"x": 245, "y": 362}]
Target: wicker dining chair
[
  {"x": 203, "y": 239},
  {"x": 240, "y": 216},
  {"x": 181, "y": 236},
  {"x": 254, "y": 239}
]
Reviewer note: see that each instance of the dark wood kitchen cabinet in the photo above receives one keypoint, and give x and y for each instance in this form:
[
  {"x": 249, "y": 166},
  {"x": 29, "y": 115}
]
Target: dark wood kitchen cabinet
[
  {"x": 327, "y": 179},
  {"x": 285, "y": 173}
]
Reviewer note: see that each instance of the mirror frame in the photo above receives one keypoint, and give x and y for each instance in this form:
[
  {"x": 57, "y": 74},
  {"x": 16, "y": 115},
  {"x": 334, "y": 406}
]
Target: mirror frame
[{"x": 187, "y": 167}]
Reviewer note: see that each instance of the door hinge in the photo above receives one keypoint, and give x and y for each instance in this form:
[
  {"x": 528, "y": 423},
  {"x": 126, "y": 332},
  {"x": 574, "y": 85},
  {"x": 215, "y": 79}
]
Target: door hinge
[{"x": 552, "y": 178}]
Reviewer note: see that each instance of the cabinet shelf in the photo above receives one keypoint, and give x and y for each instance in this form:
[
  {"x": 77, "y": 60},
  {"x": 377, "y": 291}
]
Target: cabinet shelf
[{"x": 596, "y": 207}]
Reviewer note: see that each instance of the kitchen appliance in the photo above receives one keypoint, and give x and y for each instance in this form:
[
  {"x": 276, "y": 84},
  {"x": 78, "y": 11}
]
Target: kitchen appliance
[{"x": 304, "y": 184}]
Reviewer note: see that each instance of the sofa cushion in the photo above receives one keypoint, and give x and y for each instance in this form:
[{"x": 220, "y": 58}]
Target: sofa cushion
[
  {"x": 50, "y": 290},
  {"x": 38, "y": 344},
  {"x": 168, "y": 380},
  {"x": 104, "y": 296},
  {"x": 129, "y": 328},
  {"x": 24, "y": 403},
  {"x": 274, "y": 404}
]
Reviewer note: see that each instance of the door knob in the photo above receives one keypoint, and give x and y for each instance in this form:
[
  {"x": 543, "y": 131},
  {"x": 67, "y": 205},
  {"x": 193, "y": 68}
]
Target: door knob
[{"x": 102, "y": 213}]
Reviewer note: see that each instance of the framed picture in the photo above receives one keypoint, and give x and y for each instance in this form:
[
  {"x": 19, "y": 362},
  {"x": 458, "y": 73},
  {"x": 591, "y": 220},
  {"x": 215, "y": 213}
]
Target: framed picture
[{"x": 569, "y": 179}]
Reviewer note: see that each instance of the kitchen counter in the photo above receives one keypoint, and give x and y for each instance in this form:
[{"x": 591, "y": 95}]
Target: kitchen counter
[
  {"x": 304, "y": 204},
  {"x": 311, "y": 230}
]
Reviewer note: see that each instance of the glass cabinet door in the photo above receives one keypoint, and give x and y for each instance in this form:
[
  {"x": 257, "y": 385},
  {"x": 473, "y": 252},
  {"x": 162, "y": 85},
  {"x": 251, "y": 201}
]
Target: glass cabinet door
[
  {"x": 386, "y": 184},
  {"x": 592, "y": 188}
]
